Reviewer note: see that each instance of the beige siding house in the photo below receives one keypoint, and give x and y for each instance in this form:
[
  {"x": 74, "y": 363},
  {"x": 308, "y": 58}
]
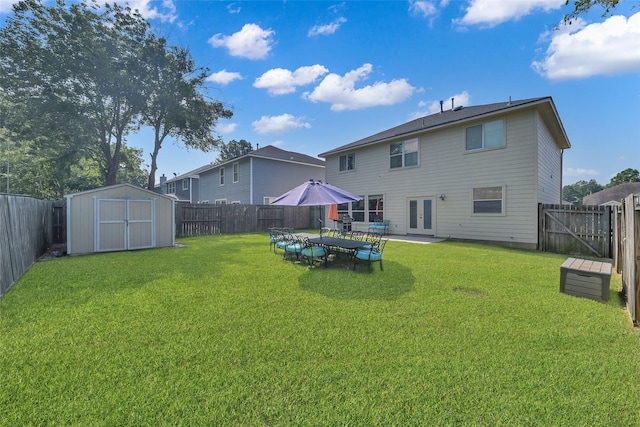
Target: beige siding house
[
  {"x": 118, "y": 218},
  {"x": 472, "y": 173}
]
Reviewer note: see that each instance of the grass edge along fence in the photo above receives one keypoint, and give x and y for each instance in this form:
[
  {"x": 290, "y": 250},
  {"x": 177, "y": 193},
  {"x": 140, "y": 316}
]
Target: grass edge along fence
[
  {"x": 25, "y": 233},
  {"x": 204, "y": 219}
]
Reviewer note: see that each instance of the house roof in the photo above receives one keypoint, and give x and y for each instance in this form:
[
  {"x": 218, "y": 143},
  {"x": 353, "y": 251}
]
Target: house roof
[
  {"x": 460, "y": 115},
  {"x": 109, "y": 187},
  {"x": 613, "y": 194},
  {"x": 191, "y": 174}
]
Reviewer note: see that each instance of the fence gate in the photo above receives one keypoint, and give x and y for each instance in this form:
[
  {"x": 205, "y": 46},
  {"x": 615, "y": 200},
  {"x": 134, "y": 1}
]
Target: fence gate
[{"x": 580, "y": 230}]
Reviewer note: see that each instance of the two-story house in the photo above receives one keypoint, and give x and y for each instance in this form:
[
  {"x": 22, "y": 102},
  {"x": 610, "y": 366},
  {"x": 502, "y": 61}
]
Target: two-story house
[
  {"x": 257, "y": 177},
  {"x": 471, "y": 173},
  {"x": 185, "y": 187}
]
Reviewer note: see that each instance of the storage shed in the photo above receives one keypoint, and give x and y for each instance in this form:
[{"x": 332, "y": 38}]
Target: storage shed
[{"x": 119, "y": 218}]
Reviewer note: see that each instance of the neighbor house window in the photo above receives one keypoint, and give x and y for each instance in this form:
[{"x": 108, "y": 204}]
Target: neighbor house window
[
  {"x": 236, "y": 172},
  {"x": 221, "y": 201},
  {"x": 171, "y": 187},
  {"x": 268, "y": 200},
  {"x": 486, "y": 135},
  {"x": 185, "y": 184},
  {"x": 347, "y": 162},
  {"x": 488, "y": 200},
  {"x": 221, "y": 176},
  {"x": 403, "y": 154}
]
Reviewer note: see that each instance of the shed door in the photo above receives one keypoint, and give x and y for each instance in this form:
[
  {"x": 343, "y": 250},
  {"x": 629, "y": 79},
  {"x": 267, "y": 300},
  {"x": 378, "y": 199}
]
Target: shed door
[{"x": 124, "y": 224}]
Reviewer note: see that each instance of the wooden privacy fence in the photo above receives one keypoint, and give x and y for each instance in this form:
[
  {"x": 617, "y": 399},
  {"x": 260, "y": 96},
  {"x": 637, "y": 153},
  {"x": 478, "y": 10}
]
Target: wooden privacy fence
[
  {"x": 628, "y": 254},
  {"x": 25, "y": 234},
  {"x": 203, "y": 219},
  {"x": 579, "y": 230}
]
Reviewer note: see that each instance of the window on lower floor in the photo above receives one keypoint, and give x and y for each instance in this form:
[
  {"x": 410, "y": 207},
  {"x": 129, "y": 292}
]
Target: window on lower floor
[
  {"x": 375, "y": 207},
  {"x": 221, "y": 201},
  {"x": 488, "y": 200},
  {"x": 357, "y": 210}
]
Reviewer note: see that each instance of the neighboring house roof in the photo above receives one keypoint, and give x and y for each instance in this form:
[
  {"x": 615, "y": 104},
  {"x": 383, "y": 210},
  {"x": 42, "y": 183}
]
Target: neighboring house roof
[
  {"x": 613, "y": 194},
  {"x": 461, "y": 114},
  {"x": 191, "y": 174},
  {"x": 272, "y": 153}
]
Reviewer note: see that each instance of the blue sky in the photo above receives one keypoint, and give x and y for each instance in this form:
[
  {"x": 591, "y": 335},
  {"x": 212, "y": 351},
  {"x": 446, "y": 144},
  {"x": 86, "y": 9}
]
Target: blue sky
[{"x": 310, "y": 76}]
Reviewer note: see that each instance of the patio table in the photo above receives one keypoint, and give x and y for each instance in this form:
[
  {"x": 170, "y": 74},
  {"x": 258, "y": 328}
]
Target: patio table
[{"x": 344, "y": 245}]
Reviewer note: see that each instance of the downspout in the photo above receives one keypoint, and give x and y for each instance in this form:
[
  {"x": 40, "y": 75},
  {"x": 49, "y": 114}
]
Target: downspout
[
  {"x": 561, "y": 172},
  {"x": 250, "y": 180}
]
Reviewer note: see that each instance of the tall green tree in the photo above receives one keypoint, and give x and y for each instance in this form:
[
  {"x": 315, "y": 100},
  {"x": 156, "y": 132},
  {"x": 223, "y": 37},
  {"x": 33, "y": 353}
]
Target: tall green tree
[
  {"x": 574, "y": 193},
  {"x": 233, "y": 149},
  {"x": 82, "y": 65},
  {"x": 175, "y": 105},
  {"x": 583, "y": 6},
  {"x": 627, "y": 175}
]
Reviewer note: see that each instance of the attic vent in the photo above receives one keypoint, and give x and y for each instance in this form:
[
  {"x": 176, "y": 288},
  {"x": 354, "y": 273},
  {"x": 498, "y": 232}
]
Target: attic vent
[{"x": 458, "y": 108}]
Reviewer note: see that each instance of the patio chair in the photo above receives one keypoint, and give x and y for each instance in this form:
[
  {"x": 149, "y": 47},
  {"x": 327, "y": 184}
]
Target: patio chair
[
  {"x": 283, "y": 237},
  {"x": 312, "y": 252},
  {"x": 380, "y": 225},
  {"x": 293, "y": 246},
  {"x": 371, "y": 255}
]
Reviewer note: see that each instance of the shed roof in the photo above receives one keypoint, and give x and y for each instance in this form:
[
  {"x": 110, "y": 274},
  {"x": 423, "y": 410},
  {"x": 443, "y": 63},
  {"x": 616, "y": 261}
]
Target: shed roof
[
  {"x": 461, "y": 114},
  {"x": 99, "y": 189}
]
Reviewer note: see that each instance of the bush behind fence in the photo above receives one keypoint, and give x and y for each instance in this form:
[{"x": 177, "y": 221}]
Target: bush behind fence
[{"x": 25, "y": 234}]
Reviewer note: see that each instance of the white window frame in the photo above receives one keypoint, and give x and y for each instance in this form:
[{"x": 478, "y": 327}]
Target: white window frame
[
  {"x": 185, "y": 184},
  {"x": 221, "y": 201},
  {"x": 403, "y": 154},
  {"x": 349, "y": 162},
  {"x": 475, "y": 202},
  {"x": 171, "y": 187},
  {"x": 236, "y": 172},
  {"x": 486, "y": 130},
  {"x": 268, "y": 200},
  {"x": 221, "y": 176}
]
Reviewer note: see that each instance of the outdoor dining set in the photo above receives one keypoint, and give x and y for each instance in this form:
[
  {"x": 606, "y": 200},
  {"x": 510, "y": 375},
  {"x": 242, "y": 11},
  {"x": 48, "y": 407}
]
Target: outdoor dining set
[{"x": 329, "y": 245}]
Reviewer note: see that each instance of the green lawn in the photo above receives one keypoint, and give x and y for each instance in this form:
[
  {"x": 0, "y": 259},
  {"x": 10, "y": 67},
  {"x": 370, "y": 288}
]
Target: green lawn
[{"x": 222, "y": 332}]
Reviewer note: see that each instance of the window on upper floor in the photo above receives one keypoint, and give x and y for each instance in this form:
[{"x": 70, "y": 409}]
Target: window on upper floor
[
  {"x": 185, "y": 184},
  {"x": 488, "y": 200},
  {"x": 236, "y": 172},
  {"x": 484, "y": 136},
  {"x": 221, "y": 176},
  {"x": 171, "y": 187},
  {"x": 403, "y": 154},
  {"x": 347, "y": 162}
]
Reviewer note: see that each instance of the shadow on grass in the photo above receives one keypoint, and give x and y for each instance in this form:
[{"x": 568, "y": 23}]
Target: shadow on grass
[{"x": 338, "y": 282}]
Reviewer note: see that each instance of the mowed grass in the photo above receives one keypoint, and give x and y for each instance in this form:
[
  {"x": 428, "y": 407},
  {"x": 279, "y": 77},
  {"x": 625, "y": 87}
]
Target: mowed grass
[{"x": 222, "y": 332}]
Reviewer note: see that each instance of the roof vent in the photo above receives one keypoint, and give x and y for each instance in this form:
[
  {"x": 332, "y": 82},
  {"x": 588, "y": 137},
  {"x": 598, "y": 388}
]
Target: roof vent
[{"x": 458, "y": 108}]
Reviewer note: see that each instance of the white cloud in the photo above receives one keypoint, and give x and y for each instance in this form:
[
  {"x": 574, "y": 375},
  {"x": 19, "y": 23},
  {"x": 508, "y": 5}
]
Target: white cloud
[
  {"x": 167, "y": 12},
  {"x": 224, "y": 77},
  {"x": 279, "y": 81},
  {"x": 431, "y": 107},
  {"x": 327, "y": 29},
  {"x": 609, "y": 47},
  {"x": 423, "y": 8},
  {"x": 493, "y": 12},
  {"x": 340, "y": 91},
  {"x": 279, "y": 124},
  {"x": 226, "y": 127},
  {"x": 251, "y": 42},
  {"x": 233, "y": 8},
  {"x": 7, "y": 5},
  {"x": 580, "y": 172}
]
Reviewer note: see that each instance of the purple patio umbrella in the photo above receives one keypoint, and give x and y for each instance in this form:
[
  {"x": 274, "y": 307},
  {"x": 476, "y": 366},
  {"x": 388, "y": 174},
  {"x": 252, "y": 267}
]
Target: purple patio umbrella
[{"x": 315, "y": 193}]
